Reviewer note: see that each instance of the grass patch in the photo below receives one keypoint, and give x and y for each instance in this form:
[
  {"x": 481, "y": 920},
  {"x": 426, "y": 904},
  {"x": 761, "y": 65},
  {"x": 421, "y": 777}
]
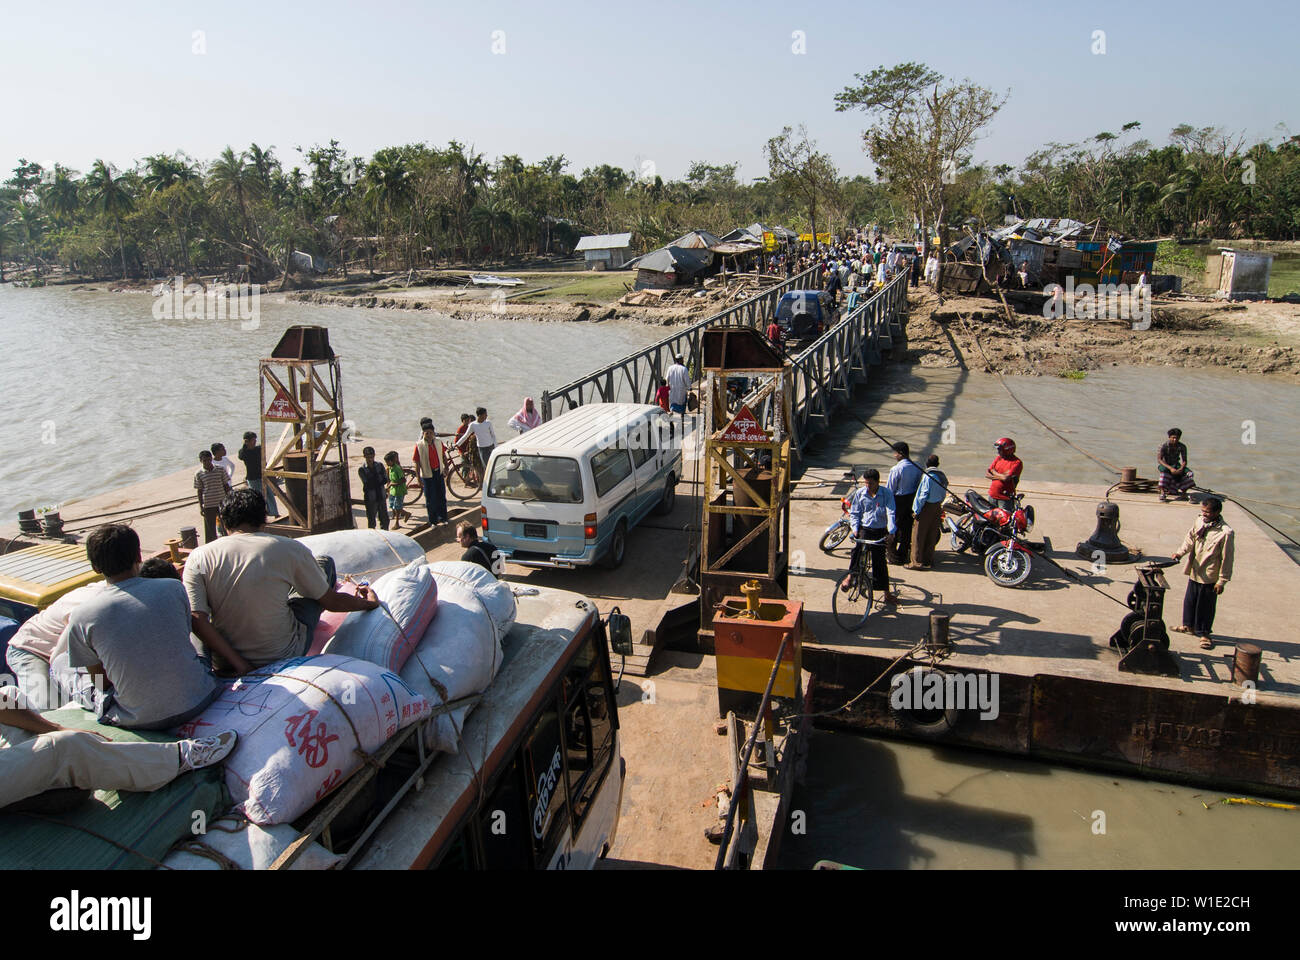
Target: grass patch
[
  {"x": 1074, "y": 374},
  {"x": 601, "y": 286}
]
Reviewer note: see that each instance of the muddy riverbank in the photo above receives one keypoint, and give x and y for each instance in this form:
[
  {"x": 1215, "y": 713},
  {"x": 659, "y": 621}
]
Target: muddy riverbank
[{"x": 1261, "y": 338}]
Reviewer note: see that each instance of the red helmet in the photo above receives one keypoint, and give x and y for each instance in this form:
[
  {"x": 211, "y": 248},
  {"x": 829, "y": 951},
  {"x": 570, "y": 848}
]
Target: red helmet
[{"x": 1005, "y": 445}]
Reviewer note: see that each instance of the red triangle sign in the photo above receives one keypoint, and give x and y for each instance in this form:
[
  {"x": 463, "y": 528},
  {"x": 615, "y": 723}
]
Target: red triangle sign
[
  {"x": 744, "y": 429},
  {"x": 282, "y": 407}
]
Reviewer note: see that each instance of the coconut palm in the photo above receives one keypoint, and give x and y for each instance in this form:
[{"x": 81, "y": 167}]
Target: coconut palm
[
  {"x": 110, "y": 195},
  {"x": 59, "y": 196},
  {"x": 233, "y": 179},
  {"x": 263, "y": 163},
  {"x": 388, "y": 186},
  {"x": 163, "y": 171}
]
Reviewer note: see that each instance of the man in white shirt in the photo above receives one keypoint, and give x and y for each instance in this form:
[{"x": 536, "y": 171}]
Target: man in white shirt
[
  {"x": 679, "y": 384},
  {"x": 219, "y": 459},
  {"x": 484, "y": 436},
  {"x": 223, "y": 462}
]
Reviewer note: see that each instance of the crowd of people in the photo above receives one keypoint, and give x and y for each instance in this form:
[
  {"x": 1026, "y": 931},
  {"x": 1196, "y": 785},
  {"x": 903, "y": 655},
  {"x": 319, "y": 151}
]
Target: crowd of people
[{"x": 901, "y": 521}]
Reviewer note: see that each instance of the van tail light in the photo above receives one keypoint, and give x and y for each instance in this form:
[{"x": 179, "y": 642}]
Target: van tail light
[
  {"x": 589, "y": 526},
  {"x": 483, "y": 513}
]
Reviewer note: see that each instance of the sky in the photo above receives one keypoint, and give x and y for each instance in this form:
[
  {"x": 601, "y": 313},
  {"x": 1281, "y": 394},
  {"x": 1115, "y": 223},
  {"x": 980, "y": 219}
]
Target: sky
[{"x": 648, "y": 86}]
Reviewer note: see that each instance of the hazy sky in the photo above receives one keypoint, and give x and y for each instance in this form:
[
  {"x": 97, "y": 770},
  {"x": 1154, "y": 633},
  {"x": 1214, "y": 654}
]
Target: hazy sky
[{"x": 656, "y": 81}]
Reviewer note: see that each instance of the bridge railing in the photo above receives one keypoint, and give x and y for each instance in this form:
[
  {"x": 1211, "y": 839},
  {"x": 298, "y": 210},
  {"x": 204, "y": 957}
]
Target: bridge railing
[
  {"x": 827, "y": 370},
  {"x": 635, "y": 378}
]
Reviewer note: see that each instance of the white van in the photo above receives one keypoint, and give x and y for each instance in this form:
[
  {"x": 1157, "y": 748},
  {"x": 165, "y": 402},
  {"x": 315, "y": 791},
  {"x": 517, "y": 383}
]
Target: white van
[{"x": 566, "y": 493}]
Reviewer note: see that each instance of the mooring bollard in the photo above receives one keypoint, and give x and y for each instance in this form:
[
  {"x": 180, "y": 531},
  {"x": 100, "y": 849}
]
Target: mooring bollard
[{"x": 1244, "y": 662}]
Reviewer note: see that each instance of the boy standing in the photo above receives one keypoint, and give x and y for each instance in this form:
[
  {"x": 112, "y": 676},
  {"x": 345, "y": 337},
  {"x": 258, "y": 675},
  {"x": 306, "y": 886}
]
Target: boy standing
[
  {"x": 484, "y": 437},
  {"x": 212, "y": 485},
  {"x": 428, "y": 468},
  {"x": 251, "y": 454},
  {"x": 396, "y": 490},
  {"x": 374, "y": 478}
]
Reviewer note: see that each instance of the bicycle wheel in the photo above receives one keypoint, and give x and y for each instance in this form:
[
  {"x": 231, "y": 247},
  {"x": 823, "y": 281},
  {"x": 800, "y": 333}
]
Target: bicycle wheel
[
  {"x": 459, "y": 481},
  {"x": 414, "y": 487},
  {"x": 852, "y": 607},
  {"x": 834, "y": 537}
]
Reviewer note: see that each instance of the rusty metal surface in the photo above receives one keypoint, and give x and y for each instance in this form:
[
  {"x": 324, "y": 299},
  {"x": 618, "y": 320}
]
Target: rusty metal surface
[{"x": 1146, "y": 731}]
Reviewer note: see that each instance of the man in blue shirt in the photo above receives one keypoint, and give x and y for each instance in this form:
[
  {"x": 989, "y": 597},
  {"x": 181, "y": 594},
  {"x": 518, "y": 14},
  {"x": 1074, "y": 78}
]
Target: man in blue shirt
[
  {"x": 872, "y": 517},
  {"x": 929, "y": 504},
  {"x": 903, "y": 480}
]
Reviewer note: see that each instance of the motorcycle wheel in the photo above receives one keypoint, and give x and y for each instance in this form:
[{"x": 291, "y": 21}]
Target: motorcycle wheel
[
  {"x": 1007, "y": 568},
  {"x": 958, "y": 543},
  {"x": 833, "y": 537}
]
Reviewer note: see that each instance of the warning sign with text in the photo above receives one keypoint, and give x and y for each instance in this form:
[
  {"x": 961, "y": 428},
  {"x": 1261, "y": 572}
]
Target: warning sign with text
[
  {"x": 744, "y": 429},
  {"x": 282, "y": 407}
]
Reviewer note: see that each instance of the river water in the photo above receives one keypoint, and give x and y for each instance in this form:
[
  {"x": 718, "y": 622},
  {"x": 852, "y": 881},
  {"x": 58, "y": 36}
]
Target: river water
[
  {"x": 126, "y": 397},
  {"x": 876, "y": 803},
  {"x": 1241, "y": 431},
  {"x": 99, "y": 394}
]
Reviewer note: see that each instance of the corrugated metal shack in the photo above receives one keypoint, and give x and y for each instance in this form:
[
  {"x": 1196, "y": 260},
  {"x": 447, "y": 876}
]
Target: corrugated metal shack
[
  {"x": 671, "y": 266},
  {"x": 606, "y": 251},
  {"x": 1050, "y": 251}
]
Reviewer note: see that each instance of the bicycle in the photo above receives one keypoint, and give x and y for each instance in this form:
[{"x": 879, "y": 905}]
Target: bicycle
[
  {"x": 852, "y": 607},
  {"x": 462, "y": 475}
]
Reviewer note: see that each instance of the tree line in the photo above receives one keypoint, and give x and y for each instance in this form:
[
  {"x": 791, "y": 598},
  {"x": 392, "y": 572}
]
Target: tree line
[{"x": 418, "y": 205}]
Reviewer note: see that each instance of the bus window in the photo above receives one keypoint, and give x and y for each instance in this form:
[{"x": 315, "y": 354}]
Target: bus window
[
  {"x": 547, "y": 795},
  {"x": 458, "y": 855},
  {"x": 503, "y": 824},
  {"x": 588, "y": 729}
]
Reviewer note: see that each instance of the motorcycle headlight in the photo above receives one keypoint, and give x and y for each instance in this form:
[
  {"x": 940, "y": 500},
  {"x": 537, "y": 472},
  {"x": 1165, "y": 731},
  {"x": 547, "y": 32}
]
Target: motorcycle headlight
[{"x": 1029, "y": 519}]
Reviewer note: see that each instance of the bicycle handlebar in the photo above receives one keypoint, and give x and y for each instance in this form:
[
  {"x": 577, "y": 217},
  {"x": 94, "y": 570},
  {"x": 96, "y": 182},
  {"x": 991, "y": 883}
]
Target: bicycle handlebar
[{"x": 870, "y": 543}]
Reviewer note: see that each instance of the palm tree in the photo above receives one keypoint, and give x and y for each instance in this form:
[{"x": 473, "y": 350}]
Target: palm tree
[
  {"x": 60, "y": 195},
  {"x": 263, "y": 163},
  {"x": 388, "y": 185},
  {"x": 233, "y": 179},
  {"x": 110, "y": 196}
]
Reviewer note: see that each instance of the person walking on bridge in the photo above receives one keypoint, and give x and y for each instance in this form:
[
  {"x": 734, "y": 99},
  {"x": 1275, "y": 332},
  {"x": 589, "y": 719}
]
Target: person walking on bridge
[{"x": 679, "y": 384}]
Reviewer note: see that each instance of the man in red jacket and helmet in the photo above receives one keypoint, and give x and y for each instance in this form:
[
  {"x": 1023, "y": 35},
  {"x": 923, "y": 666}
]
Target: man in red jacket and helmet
[{"x": 1004, "y": 472}]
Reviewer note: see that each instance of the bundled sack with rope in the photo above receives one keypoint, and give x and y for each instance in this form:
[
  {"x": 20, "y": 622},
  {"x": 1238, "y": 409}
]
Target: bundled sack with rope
[
  {"x": 408, "y": 600},
  {"x": 364, "y": 554},
  {"x": 458, "y": 656},
  {"x": 330, "y": 621},
  {"x": 304, "y": 724},
  {"x": 495, "y": 594},
  {"x": 232, "y": 843}
]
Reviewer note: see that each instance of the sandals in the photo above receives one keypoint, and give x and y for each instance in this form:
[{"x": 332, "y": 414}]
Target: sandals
[
  {"x": 1207, "y": 643},
  {"x": 1181, "y": 629}
]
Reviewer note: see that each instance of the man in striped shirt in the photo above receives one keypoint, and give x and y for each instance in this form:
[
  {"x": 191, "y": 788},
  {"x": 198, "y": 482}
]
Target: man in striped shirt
[{"x": 211, "y": 483}]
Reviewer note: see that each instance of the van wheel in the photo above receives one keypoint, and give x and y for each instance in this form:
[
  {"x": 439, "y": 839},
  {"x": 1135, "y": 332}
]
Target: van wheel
[
  {"x": 669, "y": 499},
  {"x": 617, "y": 547}
]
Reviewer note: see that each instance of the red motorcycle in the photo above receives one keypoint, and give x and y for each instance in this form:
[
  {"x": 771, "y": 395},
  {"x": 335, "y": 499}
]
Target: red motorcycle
[{"x": 994, "y": 533}]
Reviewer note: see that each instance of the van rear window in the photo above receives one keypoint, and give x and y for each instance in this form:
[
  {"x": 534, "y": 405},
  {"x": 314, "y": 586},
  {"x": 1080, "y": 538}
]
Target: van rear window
[{"x": 545, "y": 479}]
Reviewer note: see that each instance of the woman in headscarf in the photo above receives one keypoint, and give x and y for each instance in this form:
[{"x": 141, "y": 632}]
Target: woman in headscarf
[{"x": 527, "y": 418}]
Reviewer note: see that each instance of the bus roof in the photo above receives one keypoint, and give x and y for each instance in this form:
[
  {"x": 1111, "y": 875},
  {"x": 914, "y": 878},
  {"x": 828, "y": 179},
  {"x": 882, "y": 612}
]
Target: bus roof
[
  {"x": 547, "y": 628},
  {"x": 40, "y": 575},
  {"x": 579, "y": 429}
]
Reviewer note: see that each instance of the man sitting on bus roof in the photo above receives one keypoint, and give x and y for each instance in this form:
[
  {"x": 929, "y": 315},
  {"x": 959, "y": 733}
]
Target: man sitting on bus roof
[
  {"x": 256, "y": 597},
  {"x": 133, "y": 638}
]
